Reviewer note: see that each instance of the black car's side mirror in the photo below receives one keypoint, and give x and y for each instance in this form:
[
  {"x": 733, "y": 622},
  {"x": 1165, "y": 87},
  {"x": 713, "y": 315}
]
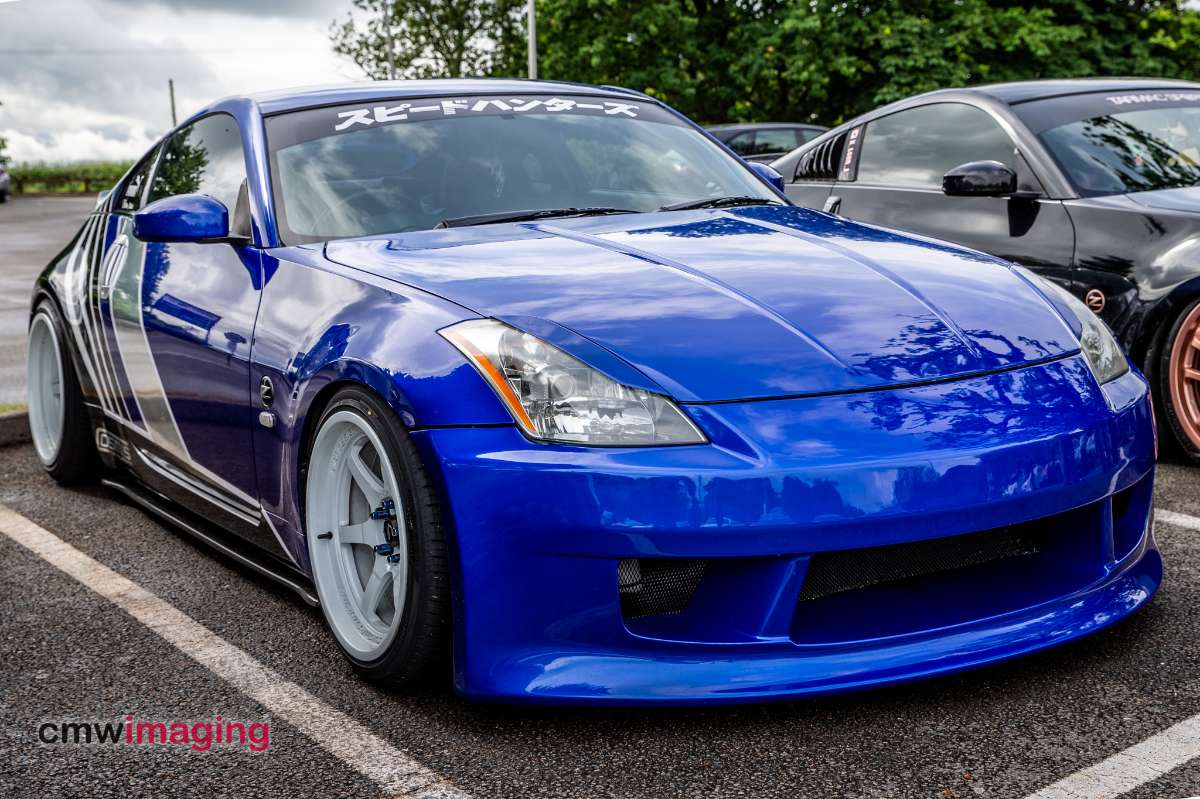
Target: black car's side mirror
[{"x": 980, "y": 179}]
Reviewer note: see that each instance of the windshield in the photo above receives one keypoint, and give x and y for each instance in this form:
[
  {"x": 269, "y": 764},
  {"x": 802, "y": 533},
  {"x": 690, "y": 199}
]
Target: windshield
[
  {"x": 395, "y": 166},
  {"x": 1131, "y": 149}
]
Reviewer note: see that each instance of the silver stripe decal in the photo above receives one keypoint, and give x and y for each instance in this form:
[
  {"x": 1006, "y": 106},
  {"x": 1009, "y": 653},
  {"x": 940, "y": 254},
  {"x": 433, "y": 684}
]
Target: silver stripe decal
[
  {"x": 91, "y": 313},
  {"x": 267, "y": 517},
  {"x": 182, "y": 480},
  {"x": 107, "y": 371},
  {"x": 249, "y": 503},
  {"x": 155, "y": 397},
  {"x": 75, "y": 306}
]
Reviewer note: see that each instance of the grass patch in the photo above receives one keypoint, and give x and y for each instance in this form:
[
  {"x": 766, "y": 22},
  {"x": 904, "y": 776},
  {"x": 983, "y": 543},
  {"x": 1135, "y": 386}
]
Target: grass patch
[{"x": 11, "y": 408}]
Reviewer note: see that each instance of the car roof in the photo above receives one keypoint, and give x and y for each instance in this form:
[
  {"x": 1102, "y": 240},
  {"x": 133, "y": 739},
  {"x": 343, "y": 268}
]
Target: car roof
[
  {"x": 761, "y": 125},
  {"x": 1025, "y": 91},
  {"x": 274, "y": 102}
]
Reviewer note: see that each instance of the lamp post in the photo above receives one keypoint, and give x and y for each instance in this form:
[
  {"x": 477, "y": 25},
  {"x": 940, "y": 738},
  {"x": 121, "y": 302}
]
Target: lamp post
[{"x": 532, "y": 15}]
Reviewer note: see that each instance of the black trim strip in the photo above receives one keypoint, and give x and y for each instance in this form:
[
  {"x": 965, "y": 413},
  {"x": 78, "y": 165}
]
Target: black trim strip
[
  {"x": 891, "y": 387},
  {"x": 158, "y": 507}
]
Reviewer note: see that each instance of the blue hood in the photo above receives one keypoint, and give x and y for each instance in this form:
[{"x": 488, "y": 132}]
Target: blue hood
[{"x": 761, "y": 302}]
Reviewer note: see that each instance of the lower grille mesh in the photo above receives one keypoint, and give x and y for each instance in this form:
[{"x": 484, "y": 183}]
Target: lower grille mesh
[
  {"x": 657, "y": 587},
  {"x": 835, "y": 572}
]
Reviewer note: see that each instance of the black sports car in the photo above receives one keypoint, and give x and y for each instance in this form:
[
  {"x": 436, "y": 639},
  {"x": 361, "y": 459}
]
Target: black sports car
[
  {"x": 1095, "y": 184},
  {"x": 765, "y": 141}
]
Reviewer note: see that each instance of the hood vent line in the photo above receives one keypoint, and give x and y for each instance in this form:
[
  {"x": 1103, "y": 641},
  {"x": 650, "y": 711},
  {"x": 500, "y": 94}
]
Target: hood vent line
[
  {"x": 883, "y": 272},
  {"x": 709, "y": 280}
]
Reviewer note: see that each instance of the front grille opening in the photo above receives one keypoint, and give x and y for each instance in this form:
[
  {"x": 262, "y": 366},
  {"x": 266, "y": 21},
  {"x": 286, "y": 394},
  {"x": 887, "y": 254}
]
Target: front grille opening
[
  {"x": 1130, "y": 518},
  {"x": 880, "y": 592},
  {"x": 657, "y": 586},
  {"x": 835, "y": 572}
]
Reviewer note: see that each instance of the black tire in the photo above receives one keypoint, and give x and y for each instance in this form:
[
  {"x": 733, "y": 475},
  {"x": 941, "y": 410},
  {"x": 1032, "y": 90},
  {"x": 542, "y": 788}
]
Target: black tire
[
  {"x": 420, "y": 650},
  {"x": 3, "y": 197},
  {"x": 76, "y": 461},
  {"x": 1172, "y": 433}
]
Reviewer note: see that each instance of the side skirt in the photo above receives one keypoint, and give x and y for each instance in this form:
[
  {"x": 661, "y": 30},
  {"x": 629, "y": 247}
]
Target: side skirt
[{"x": 223, "y": 543}]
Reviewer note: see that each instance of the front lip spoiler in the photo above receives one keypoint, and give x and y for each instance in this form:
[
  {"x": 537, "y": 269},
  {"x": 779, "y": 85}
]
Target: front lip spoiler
[{"x": 934, "y": 381}]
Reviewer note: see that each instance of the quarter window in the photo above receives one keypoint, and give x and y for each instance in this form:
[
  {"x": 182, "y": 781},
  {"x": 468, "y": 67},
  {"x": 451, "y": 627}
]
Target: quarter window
[
  {"x": 915, "y": 148},
  {"x": 134, "y": 189},
  {"x": 203, "y": 158}
]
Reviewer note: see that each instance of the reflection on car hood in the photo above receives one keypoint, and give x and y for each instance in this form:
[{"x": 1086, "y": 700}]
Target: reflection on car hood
[
  {"x": 752, "y": 303},
  {"x": 1170, "y": 199}
]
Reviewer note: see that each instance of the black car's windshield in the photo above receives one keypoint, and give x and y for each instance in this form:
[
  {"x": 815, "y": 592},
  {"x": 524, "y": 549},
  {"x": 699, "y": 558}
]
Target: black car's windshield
[
  {"x": 1142, "y": 141},
  {"x": 400, "y": 165}
]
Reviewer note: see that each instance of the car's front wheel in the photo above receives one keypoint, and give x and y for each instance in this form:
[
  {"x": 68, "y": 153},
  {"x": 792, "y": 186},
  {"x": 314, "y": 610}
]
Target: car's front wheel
[
  {"x": 1179, "y": 380},
  {"x": 375, "y": 541}
]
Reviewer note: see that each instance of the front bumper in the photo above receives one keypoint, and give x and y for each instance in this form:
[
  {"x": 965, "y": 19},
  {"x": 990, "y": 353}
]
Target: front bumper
[{"x": 1037, "y": 455}]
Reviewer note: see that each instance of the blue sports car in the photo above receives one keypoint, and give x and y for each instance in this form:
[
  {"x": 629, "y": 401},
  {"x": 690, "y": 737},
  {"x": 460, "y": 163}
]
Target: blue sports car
[{"x": 539, "y": 383}]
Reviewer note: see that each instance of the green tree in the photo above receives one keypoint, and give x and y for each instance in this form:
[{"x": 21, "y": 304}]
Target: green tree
[
  {"x": 828, "y": 60},
  {"x": 3, "y": 154},
  {"x": 391, "y": 39}
]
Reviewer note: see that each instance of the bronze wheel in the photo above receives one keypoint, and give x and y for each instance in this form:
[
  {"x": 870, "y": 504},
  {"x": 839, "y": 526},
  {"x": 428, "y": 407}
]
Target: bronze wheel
[{"x": 1183, "y": 379}]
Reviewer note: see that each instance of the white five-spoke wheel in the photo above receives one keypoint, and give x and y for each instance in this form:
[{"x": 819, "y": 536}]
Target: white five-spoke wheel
[
  {"x": 356, "y": 534},
  {"x": 374, "y": 540},
  {"x": 45, "y": 386}
]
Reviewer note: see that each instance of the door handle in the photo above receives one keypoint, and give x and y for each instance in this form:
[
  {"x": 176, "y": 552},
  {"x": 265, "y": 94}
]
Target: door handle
[{"x": 833, "y": 204}]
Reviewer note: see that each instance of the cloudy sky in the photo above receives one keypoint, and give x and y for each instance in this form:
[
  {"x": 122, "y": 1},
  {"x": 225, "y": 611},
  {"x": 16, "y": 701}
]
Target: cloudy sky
[{"x": 88, "y": 78}]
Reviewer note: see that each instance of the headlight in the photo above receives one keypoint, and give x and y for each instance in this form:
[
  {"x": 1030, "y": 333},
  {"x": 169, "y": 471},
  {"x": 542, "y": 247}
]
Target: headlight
[
  {"x": 556, "y": 397},
  {"x": 1101, "y": 350}
]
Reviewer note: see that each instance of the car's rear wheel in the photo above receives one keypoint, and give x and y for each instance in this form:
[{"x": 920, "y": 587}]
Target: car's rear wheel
[
  {"x": 375, "y": 541},
  {"x": 1179, "y": 372},
  {"x": 58, "y": 423}
]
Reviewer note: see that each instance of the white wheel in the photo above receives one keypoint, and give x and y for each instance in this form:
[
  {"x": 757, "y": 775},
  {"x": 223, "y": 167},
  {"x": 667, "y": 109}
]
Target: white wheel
[
  {"x": 356, "y": 535},
  {"x": 46, "y": 391}
]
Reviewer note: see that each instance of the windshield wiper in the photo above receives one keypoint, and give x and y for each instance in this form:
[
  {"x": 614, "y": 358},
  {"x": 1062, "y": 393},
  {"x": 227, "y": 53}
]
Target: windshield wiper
[
  {"x": 719, "y": 202},
  {"x": 526, "y": 216}
]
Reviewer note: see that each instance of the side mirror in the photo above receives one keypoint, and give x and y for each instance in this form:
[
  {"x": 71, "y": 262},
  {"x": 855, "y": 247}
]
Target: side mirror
[
  {"x": 767, "y": 173},
  {"x": 980, "y": 179},
  {"x": 183, "y": 218}
]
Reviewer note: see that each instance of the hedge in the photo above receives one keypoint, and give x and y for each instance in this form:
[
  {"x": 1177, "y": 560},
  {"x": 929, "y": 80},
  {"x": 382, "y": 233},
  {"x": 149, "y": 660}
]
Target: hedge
[{"x": 79, "y": 177}]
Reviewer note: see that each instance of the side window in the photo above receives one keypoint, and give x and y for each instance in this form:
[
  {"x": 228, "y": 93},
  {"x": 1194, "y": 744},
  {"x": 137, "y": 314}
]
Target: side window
[
  {"x": 134, "y": 189},
  {"x": 205, "y": 158},
  {"x": 743, "y": 143},
  {"x": 914, "y": 148},
  {"x": 775, "y": 140}
]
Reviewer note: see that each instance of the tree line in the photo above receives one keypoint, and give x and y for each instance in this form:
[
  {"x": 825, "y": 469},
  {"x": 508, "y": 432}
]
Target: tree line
[{"x": 798, "y": 60}]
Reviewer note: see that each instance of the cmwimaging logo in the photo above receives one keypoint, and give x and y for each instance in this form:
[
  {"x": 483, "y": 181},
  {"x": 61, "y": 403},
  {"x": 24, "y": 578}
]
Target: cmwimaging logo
[{"x": 197, "y": 735}]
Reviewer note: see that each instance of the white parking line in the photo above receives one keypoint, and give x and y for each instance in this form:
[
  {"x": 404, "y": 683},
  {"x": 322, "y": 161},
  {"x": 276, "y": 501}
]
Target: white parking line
[
  {"x": 1178, "y": 519},
  {"x": 394, "y": 772},
  {"x": 1143, "y": 762},
  {"x": 1134, "y": 767}
]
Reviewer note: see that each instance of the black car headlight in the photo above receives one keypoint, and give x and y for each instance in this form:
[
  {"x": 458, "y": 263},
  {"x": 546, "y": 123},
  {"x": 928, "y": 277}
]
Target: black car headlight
[{"x": 556, "y": 397}]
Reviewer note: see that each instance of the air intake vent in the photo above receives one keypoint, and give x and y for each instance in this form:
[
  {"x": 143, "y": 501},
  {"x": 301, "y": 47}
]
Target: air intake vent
[
  {"x": 822, "y": 162},
  {"x": 658, "y": 587},
  {"x": 835, "y": 572}
]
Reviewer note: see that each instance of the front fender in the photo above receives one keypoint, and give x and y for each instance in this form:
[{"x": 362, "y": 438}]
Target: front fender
[{"x": 321, "y": 325}]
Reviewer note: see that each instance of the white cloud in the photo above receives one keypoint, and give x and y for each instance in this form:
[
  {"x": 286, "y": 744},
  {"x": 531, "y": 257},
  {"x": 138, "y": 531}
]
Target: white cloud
[{"x": 87, "y": 79}]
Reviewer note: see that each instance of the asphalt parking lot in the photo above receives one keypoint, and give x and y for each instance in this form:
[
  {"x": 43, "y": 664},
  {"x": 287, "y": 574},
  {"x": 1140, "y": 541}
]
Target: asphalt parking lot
[
  {"x": 32, "y": 231},
  {"x": 67, "y": 653}
]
